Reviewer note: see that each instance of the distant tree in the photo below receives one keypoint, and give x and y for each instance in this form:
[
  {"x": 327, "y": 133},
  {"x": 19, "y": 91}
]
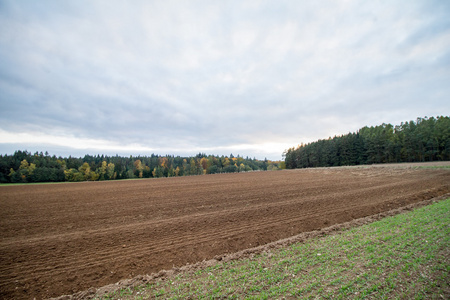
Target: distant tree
[
  {"x": 74, "y": 175},
  {"x": 139, "y": 168},
  {"x": 230, "y": 169},
  {"x": 177, "y": 171},
  {"x": 225, "y": 162},
  {"x": 85, "y": 170},
  {"x": 102, "y": 170},
  {"x": 110, "y": 171},
  {"x": 213, "y": 169},
  {"x": 204, "y": 162},
  {"x": 23, "y": 166},
  {"x": 426, "y": 139},
  {"x": 158, "y": 172}
]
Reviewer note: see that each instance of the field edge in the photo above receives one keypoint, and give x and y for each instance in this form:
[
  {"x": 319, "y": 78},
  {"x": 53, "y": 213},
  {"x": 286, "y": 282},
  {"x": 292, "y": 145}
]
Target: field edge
[{"x": 142, "y": 280}]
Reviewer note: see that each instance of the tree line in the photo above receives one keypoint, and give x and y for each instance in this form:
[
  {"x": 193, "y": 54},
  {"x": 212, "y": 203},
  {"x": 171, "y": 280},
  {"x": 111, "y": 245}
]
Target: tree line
[
  {"x": 426, "y": 139},
  {"x": 23, "y": 166}
]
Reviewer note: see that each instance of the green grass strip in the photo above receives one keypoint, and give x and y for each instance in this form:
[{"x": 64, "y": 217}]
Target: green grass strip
[
  {"x": 31, "y": 183},
  {"x": 402, "y": 257}
]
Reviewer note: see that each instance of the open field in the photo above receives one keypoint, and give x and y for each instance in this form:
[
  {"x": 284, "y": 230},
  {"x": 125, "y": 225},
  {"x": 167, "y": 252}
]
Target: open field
[
  {"x": 404, "y": 256},
  {"x": 60, "y": 239}
]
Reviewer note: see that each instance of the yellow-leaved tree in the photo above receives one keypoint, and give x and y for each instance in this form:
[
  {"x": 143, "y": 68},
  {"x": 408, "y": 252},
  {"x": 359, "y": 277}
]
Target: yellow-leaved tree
[
  {"x": 139, "y": 167},
  {"x": 85, "y": 169},
  {"x": 110, "y": 171},
  {"x": 102, "y": 171}
]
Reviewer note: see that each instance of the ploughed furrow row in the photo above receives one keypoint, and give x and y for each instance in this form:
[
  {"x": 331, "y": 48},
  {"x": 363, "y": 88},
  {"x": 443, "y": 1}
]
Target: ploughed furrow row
[
  {"x": 175, "y": 220},
  {"x": 199, "y": 239},
  {"x": 131, "y": 255},
  {"x": 257, "y": 201},
  {"x": 178, "y": 239},
  {"x": 144, "y": 226},
  {"x": 110, "y": 217},
  {"x": 226, "y": 214},
  {"x": 81, "y": 265},
  {"x": 173, "y": 242}
]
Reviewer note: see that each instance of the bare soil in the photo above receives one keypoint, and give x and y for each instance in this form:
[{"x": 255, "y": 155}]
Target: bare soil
[{"x": 66, "y": 238}]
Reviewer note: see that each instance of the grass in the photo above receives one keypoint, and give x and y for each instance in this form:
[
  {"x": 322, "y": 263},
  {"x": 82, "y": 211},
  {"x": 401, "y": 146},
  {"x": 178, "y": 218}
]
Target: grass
[
  {"x": 433, "y": 167},
  {"x": 31, "y": 183},
  {"x": 66, "y": 182},
  {"x": 402, "y": 257}
]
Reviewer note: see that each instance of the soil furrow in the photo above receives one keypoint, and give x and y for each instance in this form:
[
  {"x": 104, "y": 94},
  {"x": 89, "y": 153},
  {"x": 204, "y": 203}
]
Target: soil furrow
[{"x": 60, "y": 239}]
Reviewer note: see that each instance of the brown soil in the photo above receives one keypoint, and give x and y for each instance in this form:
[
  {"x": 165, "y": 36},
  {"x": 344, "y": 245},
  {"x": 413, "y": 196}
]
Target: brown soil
[{"x": 65, "y": 238}]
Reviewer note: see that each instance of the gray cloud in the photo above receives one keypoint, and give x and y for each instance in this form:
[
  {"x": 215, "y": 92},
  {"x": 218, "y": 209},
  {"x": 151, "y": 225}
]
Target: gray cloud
[{"x": 185, "y": 76}]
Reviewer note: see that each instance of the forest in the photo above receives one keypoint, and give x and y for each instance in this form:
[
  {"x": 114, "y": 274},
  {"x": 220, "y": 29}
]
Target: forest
[
  {"x": 23, "y": 167},
  {"x": 426, "y": 139}
]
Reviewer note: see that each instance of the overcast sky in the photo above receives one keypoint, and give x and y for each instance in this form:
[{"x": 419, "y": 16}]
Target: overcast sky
[{"x": 245, "y": 77}]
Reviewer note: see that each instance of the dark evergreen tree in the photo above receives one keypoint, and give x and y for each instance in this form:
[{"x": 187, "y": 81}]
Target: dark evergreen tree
[{"x": 426, "y": 139}]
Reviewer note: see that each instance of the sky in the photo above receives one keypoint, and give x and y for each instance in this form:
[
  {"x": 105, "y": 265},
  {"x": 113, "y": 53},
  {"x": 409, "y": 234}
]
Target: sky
[{"x": 251, "y": 78}]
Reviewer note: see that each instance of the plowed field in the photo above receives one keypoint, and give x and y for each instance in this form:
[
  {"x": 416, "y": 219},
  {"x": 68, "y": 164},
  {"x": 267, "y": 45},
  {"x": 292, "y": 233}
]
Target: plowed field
[{"x": 63, "y": 238}]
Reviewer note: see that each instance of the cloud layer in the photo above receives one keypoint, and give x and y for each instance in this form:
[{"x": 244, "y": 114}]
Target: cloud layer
[{"x": 179, "y": 77}]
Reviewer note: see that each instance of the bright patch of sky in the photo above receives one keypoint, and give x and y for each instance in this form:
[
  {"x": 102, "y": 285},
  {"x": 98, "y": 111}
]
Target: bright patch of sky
[{"x": 245, "y": 77}]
